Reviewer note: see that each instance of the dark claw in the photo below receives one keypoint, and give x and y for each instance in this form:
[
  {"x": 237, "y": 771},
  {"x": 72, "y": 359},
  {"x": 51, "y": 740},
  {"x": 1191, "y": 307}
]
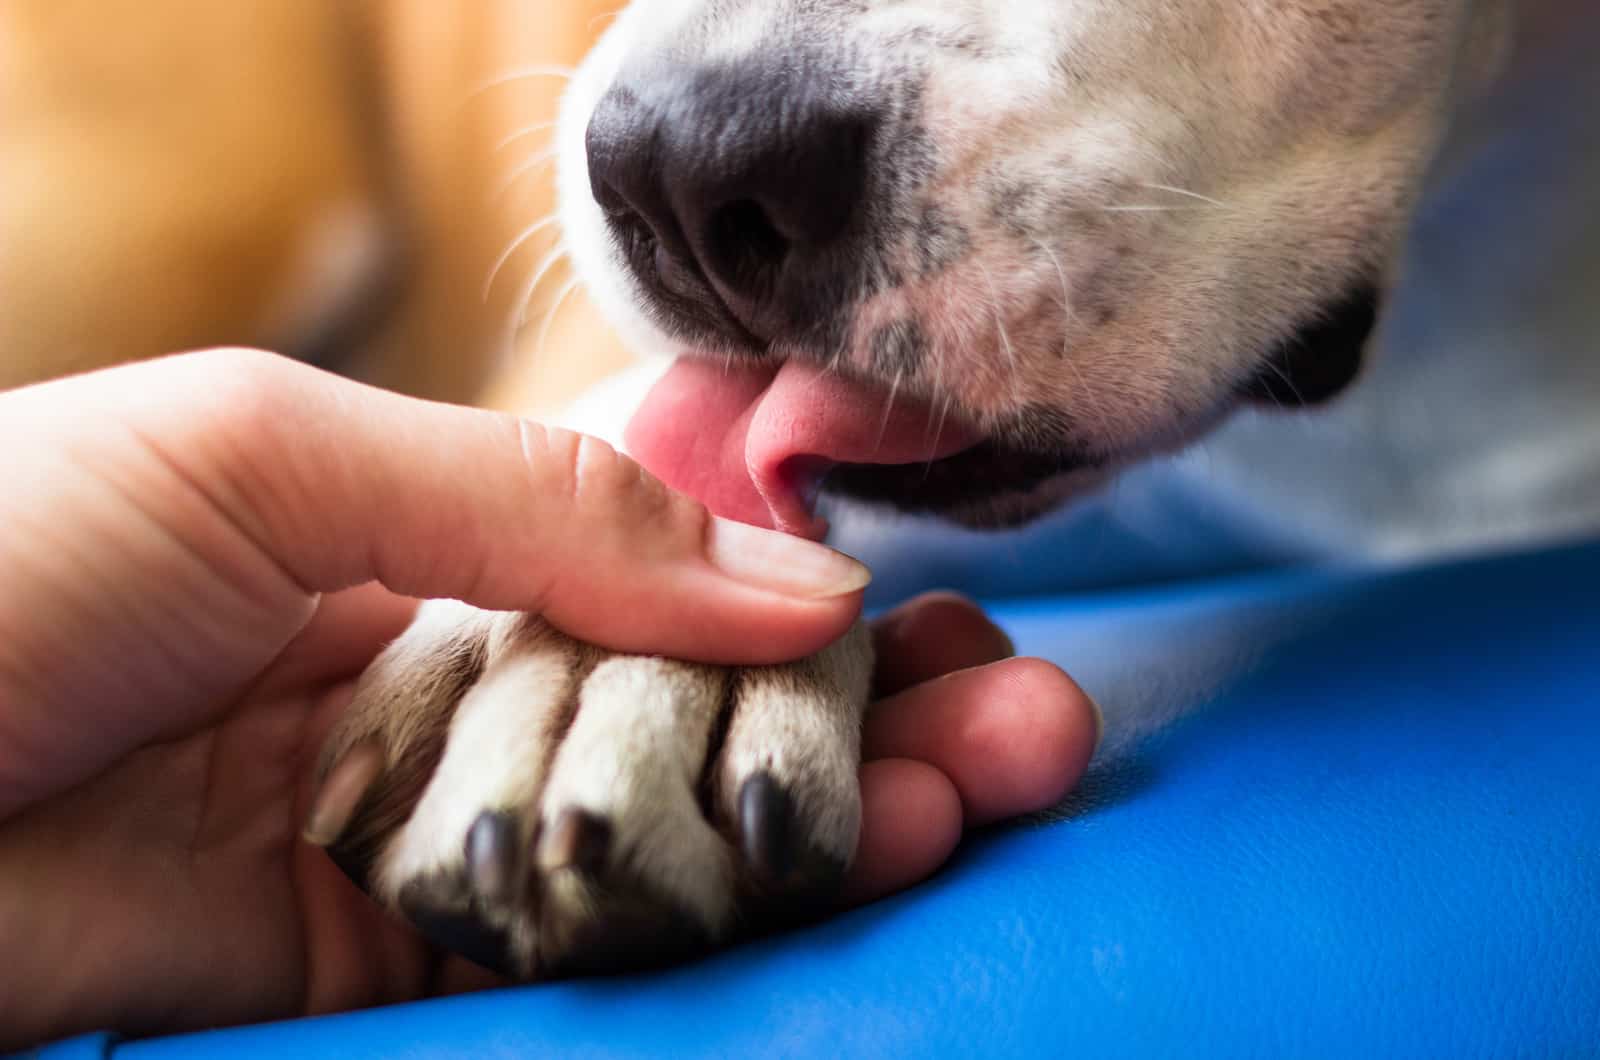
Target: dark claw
[
  {"x": 491, "y": 855},
  {"x": 578, "y": 840},
  {"x": 772, "y": 847},
  {"x": 766, "y": 827},
  {"x": 629, "y": 933},
  {"x": 459, "y": 931},
  {"x": 342, "y": 792}
]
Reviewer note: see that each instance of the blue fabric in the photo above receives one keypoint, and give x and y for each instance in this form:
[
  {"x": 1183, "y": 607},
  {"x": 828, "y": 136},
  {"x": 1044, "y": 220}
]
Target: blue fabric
[{"x": 1376, "y": 832}]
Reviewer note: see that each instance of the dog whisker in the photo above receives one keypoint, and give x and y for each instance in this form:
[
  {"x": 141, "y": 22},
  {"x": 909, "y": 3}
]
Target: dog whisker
[
  {"x": 888, "y": 410},
  {"x": 938, "y": 389},
  {"x": 1150, "y": 208},
  {"x": 525, "y": 294},
  {"x": 538, "y": 160},
  {"x": 505, "y": 255},
  {"x": 939, "y": 420},
  {"x": 525, "y": 131},
  {"x": 527, "y": 73},
  {"x": 603, "y": 17},
  {"x": 1061, "y": 275},
  {"x": 1187, "y": 194},
  {"x": 829, "y": 367},
  {"x": 1288, "y": 382},
  {"x": 1066, "y": 341},
  {"x": 550, "y": 317},
  {"x": 524, "y": 73},
  {"x": 1005, "y": 339},
  {"x": 937, "y": 417},
  {"x": 531, "y": 287}
]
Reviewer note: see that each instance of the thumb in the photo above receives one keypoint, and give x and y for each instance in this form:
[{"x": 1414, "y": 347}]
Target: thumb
[
  {"x": 166, "y": 528},
  {"x": 342, "y": 484}
]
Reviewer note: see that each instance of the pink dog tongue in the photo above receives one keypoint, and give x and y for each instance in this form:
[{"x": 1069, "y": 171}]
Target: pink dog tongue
[{"x": 752, "y": 442}]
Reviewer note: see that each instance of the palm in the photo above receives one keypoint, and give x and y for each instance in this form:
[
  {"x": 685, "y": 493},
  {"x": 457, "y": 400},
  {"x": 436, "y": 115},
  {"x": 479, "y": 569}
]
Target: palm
[
  {"x": 173, "y": 890},
  {"x": 188, "y": 868}
]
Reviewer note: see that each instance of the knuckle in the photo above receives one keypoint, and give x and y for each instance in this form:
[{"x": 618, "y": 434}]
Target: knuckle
[
  {"x": 239, "y": 368},
  {"x": 600, "y": 475},
  {"x": 597, "y": 482},
  {"x": 246, "y": 392},
  {"x": 576, "y": 468}
]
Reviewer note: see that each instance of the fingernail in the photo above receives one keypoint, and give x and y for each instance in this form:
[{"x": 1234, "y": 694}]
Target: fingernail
[
  {"x": 783, "y": 563},
  {"x": 1099, "y": 722}
]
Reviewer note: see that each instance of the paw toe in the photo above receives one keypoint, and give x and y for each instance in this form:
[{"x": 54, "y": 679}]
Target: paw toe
[
  {"x": 774, "y": 845},
  {"x": 450, "y": 918},
  {"x": 579, "y": 841}
]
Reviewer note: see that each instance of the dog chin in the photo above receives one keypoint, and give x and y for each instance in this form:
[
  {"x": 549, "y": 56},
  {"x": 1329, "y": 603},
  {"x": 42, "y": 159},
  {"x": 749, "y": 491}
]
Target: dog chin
[{"x": 984, "y": 509}]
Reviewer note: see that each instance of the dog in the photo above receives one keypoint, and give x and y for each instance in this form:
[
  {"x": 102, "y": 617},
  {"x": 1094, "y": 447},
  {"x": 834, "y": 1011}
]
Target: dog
[{"x": 963, "y": 259}]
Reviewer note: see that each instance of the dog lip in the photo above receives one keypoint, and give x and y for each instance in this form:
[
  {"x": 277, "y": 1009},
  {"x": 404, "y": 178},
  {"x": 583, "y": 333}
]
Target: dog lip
[
  {"x": 960, "y": 483},
  {"x": 755, "y": 441},
  {"x": 1320, "y": 360},
  {"x": 791, "y": 496},
  {"x": 802, "y": 480},
  {"x": 803, "y": 476}
]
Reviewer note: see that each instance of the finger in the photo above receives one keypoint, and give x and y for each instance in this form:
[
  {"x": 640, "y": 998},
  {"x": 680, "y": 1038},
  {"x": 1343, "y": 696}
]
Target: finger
[
  {"x": 1013, "y": 736},
  {"x": 356, "y": 954},
  {"x": 340, "y": 484},
  {"x": 342, "y": 637},
  {"x": 457, "y": 975},
  {"x": 910, "y": 825},
  {"x": 931, "y": 635}
]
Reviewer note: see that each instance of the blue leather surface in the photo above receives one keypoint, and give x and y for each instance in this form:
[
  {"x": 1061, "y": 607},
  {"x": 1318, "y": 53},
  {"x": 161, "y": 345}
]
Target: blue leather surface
[
  {"x": 84, "y": 1047},
  {"x": 1377, "y": 832}
]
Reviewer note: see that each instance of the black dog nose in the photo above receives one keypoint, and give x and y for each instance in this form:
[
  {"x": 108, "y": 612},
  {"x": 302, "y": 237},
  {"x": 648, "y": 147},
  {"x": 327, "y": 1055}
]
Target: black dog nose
[{"x": 732, "y": 190}]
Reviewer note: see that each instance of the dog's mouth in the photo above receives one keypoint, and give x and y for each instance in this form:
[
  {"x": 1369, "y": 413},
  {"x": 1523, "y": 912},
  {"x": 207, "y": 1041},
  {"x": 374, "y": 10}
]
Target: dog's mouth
[{"x": 761, "y": 442}]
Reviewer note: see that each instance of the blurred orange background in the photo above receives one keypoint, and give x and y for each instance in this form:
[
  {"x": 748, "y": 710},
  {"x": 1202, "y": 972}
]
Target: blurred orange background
[{"x": 332, "y": 180}]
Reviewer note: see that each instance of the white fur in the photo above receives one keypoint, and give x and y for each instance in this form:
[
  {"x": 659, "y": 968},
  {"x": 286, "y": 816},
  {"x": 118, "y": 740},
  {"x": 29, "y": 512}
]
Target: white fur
[{"x": 1211, "y": 174}]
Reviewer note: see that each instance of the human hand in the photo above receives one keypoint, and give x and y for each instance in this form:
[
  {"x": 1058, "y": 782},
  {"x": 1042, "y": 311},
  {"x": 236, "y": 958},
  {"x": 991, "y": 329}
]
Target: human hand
[{"x": 200, "y": 554}]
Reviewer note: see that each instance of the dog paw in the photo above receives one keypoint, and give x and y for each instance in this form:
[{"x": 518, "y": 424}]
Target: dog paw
[{"x": 544, "y": 807}]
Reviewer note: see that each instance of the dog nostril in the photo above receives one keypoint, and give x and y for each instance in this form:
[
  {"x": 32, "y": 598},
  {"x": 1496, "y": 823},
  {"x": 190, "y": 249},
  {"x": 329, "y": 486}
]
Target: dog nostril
[
  {"x": 674, "y": 273},
  {"x": 747, "y": 246},
  {"x": 649, "y": 253},
  {"x": 631, "y": 231},
  {"x": 612, "y": 202}
]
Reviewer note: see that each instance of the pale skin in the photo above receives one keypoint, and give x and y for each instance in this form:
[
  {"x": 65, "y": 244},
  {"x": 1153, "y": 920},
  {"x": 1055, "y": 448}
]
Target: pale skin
[{"x": 199, "y": 554}]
